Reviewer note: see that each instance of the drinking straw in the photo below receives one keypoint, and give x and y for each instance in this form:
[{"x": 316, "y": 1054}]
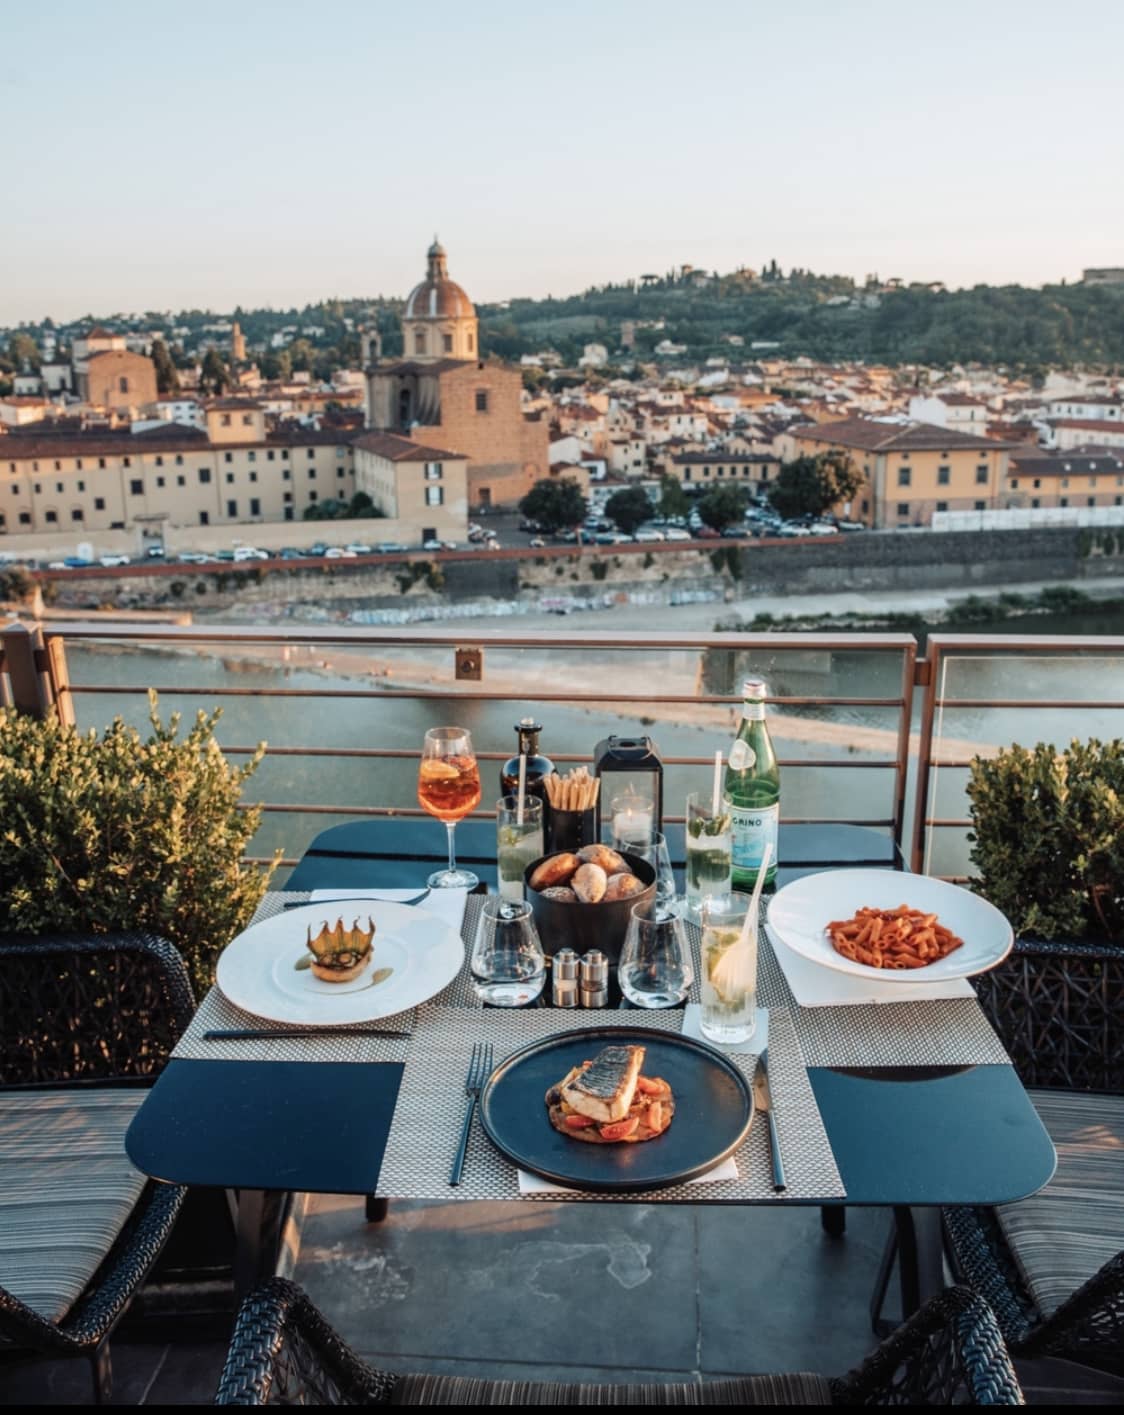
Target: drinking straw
[
  {"x": 733, "y": 972},
  {"x": 716, "y": 798},
  {"x": 522, "y": 788}
]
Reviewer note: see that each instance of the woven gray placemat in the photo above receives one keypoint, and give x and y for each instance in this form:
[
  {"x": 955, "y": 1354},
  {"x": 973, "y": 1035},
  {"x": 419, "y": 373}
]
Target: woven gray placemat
[
  {"x": 215, "y": 1011},
  {"x": 944, "y": 1032},
  {"x": 430, "y": 1112}
]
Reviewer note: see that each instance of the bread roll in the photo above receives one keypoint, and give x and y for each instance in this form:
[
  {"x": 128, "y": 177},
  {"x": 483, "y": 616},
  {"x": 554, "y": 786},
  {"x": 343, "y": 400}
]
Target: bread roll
[
  {"x": 589, "y": 884},
  {"x": 609, "y": 860},
  {"x": 623, "y": 887},
  {"x": 556, "y": 869},
  {"x": 562, "y": 892}
]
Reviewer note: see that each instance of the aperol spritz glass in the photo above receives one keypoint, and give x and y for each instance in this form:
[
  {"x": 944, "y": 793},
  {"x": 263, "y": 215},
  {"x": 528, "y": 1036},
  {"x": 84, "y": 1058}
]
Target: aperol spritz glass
[{"x": 448, "y": 788}]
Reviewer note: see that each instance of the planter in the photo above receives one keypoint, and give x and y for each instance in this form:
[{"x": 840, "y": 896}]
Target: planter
[{"x": 1058, "y": 1008}]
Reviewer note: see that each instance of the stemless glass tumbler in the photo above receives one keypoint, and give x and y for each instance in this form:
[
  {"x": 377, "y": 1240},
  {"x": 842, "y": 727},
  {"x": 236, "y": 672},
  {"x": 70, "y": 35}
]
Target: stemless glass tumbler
[
  {"x": 508, "y": 965},
  {"x": 655, "y": 965}
]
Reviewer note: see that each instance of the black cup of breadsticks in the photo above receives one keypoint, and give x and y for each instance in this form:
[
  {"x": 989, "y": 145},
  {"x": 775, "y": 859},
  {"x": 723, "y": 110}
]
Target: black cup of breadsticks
[{"x": 570, "y": 810}]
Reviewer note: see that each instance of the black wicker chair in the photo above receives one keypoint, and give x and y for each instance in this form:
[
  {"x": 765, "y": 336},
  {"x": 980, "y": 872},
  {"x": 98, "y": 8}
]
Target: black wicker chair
[
  {"x": 84, "y": 1017},
  {"x": 284, "y": 1353},
  {"x": 1058, "y": 1009}
]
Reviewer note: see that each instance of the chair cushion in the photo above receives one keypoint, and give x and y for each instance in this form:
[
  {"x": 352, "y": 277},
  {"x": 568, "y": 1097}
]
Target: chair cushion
[
  {"x": 1063, "y": 1235},
  {"x": 748, "y": 1390},
  {"x": 66, "y": 1189}
]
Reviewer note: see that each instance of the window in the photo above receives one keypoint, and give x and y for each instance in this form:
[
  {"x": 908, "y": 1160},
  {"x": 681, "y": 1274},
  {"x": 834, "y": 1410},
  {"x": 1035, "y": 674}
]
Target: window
[
  {"x": 99, "y": 503},
  {"x": 288, "y": 513},
  {"x": 179, "y": 459},
  {"x": 253, "y": 476},
  {"x": 253, "y": 456},
  {"x": 181, "y": 481},
  {"x": 981, "y": 476},
  {"x": 228, "y": 456},
  {"x": 52, "y": 518},
  {"x": 419, "y": 341},
  {"x": 58, "y": 486},
  {"x": 905, "y": 476},
  {"x": 204, "y": 475},
  {"x": 225, "y": 420},
  {"x": 204, "y": 518},
  {"x": 339, "y": 454},
  {"x": 1064, "y": 501},
  {"x": 1065, "y": 481},
  {"x": 77, "y": 465},
  {"x": 312, "y": 454},
  {"x": 287, "y": 497},
  {"x": 77, "y": 514},
  {"x": 448, "y": 338},
  {"x": 58, "y": 466},
  {"x": 159, "y": 461},
  {"x": 1038, "y": 483},
  {"x": 101, "y": 463},
  {"x": 481, "y": 400},
  {"x": 122, "y": 384},
  {"x": 1090, "y": 501},
  {"x": 255, "y": 506},
  {"x": 433, "y": 471},
  {"x": 38, "y": 488},
  {"x": 1092, "y": 481},
  {"x": 944, "y": 476},
  {"x": 312, "y": 496},
  {"x": 25, "y": 518},
  {"x": 230, "y": 478},
  {"x": 1035, "y": 503},
  {"x": 269, "y": 455},
  {"x": 285, "y": 454},
  {"x": 472, "y": 343},
  {"x": 159, "y": 481},
  {"x": 286, "y": 475},
  {"x": 125, "y": 462},
  {"x": 312, "y": 473},
  {"x": 721, "y": 472},
  {"x": 3, "y": 520},
  {"x": 1015, "y": 484},
  {"x": 764, "y": 473},
  {"x": 341, "y": 472},
  {"x": 979, "y": 506},
  {"x": 136, "y": 487},
  {"x": 687, "y": 474},
  {"x": 232, "y": 508},
  {"x": 903, "y": 508},
  {"x": 942, "y": 505},
  {"x": 247, "y": 419},
  {"x": 435, "y": 496}
]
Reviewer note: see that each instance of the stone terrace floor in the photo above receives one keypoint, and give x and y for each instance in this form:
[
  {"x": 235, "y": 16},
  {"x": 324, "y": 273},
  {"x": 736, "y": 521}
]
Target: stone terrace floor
[{"x": 561, "y": 1291}]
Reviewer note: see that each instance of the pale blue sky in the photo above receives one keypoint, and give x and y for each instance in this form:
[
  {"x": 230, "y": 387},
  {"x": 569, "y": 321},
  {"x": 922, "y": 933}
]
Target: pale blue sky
[{"x": 274, "y": 153}]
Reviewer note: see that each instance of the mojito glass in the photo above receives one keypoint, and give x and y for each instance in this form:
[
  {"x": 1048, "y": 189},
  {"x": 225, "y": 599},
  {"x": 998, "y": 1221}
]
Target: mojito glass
[
  {"x": 709, "y": 853},
  {"x": 517, "y": 845},
  {"x": 728, "y": 985}
]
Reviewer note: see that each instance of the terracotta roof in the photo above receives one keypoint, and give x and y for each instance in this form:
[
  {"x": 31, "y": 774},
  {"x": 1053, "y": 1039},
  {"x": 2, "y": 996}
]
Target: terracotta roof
[
  {"x": 960, "y": 400},
  {"x": 868, "y": 436},
  {"x": 401, "y": 449},
  {"x": 1086, "y": 461},
  {"x": 438, "y": 299},
  {"x": 1092, "y": 424},
  {"x": 404, "y": 366},
  {"x": 244, "y": 405},
  {"x": 713, "y": 458}
]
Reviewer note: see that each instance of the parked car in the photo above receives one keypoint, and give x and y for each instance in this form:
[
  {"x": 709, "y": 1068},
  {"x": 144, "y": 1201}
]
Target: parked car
[
  {"x": 676, "y": 533},
  {"x": 318, "y": 549},
  {"x": 249, "y": 552},
  {"x": 850, "y": 526},
  {"x": 360, "y": 549},
  {"x": 532, "y": 527},
  {"x": 111, "y": 560},
  {"x": 154, "y": 552},
  {"x": 567, "y": 537},
  {"x": 736, "y": 533},
  {"x": 192, "y": 557},
  {"x": 78, "y": 562},
  {"x": 390, "y": 547},
  {"x": 291, "y": 553},
  {"x": 537, "y": 543},
  {"x": 339, "y": 552},
  {"x": 706, "y": 533},
  {"x": 649, "y": 537},
  {"x": 610, "y": 538}
]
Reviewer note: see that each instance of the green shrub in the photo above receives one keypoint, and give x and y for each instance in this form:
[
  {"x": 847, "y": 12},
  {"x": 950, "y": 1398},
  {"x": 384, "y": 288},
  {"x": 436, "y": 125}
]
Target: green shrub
[
  {"x": 598, "y": 569},
  {"x": 117, "y": 832},
  {"x": 1048, "y": 838}
]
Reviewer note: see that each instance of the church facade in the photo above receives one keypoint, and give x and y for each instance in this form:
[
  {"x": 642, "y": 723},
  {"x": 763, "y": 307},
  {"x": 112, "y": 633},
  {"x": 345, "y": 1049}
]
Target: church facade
[{"x": 443, "y": 394}]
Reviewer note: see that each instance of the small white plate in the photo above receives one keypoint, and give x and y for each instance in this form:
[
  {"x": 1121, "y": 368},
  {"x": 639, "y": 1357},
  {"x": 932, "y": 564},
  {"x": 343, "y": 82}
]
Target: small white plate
[
  {"x": 257, "y": 971},
  {"x": 800, "y": 912}
]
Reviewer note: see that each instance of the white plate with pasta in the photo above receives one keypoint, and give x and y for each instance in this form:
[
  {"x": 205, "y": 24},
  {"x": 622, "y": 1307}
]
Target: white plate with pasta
[{"x": 897, "y": 927}]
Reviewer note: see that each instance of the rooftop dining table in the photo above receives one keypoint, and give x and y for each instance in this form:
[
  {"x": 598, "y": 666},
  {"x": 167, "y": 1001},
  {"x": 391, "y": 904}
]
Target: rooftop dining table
[{"x": 903, "y": 1130}]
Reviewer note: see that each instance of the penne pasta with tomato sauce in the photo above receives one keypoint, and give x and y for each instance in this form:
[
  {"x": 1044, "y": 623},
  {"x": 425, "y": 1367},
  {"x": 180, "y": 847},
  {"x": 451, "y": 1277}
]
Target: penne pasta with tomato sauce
[{"x": 892, "y": 938}]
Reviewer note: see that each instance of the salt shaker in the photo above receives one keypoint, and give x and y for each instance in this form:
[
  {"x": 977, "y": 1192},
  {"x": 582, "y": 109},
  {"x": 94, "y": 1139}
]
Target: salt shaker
[
  {"x": 594, "y": 979},
  {"x": 564, "y": 973}
]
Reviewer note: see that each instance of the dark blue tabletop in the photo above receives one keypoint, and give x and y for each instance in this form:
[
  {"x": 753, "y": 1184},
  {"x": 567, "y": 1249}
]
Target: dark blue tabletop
[{"x": 953, "y": 1135}]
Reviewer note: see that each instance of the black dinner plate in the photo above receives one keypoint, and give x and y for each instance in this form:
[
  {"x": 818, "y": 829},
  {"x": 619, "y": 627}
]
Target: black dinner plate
[{"x": 713, "y": 1111}]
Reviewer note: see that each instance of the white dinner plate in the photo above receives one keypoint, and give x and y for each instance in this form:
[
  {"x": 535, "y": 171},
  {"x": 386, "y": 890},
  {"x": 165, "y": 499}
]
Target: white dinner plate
[
  {"x": 257, "y": 971},
  {"x": 800, "y": 912}
]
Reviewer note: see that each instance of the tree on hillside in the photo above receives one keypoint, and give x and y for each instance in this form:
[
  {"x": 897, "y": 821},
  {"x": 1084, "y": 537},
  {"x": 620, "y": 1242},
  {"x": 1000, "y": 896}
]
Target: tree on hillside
[
  {"x": 674, "y": 501},
  {"x": 723, "y": 506},
  {"x": 213, "y": 377},
  {"x": 167, "y": 379},
  {"x": 555, "y": 504},
  {"x": 22, "y": 349},
  {"x": 302, "y": 355},
  {"x": 811, "y": 486},
  {"x": 629, "y": 508}
]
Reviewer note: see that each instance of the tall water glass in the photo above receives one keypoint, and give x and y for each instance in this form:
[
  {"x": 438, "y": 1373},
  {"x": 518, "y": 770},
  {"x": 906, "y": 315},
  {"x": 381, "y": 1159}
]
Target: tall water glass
[
  {"x": 655, "y": 965},
  {"x": 518, "y": 842},
  {"x": 728, "y": 985},
  {"x": 709, "y": 852}
]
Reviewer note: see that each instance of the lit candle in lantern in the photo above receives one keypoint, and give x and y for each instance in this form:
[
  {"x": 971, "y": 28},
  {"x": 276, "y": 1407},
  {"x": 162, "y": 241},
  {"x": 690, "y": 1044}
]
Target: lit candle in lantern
[{"x": 632, "y": 819}]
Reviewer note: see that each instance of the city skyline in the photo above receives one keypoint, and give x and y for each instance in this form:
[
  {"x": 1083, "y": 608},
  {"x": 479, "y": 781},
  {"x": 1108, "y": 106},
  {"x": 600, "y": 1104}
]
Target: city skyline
[{"x": 280, "y": 166}]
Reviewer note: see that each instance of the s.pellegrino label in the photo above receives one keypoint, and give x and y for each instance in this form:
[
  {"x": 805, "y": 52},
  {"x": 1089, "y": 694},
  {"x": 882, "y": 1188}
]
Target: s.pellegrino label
[{"x": 752, "y": 790}]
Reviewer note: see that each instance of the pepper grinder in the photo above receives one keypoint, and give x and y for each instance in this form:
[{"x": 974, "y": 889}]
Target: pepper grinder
[
  {"x": 564, "y": 975},
  {"x": 594, "y": 979}
]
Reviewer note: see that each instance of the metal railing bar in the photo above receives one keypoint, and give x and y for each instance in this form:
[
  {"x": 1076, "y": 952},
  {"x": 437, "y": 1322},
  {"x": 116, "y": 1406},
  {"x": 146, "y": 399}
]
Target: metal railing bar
[
  {"x": 404, "y": 754},
  {"x": 951, "y": 704},
  {"x": 473, "y": 695},
  {"x": 947, "y": 824},
  {"x": 416, "y": 813}
]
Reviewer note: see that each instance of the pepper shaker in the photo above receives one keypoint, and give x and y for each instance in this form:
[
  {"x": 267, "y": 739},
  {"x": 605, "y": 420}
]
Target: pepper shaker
[
  {"x": 564, "y": 974},
  {"x": 594, "y": 979}
]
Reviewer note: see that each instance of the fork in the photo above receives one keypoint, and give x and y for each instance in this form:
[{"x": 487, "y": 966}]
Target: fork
[
  {"x": 479, "y": 1069},
  {"x": 344, "y": 899}
]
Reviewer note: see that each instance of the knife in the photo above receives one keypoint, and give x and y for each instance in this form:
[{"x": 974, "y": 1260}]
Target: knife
[
  {"x": 266, "y": 1034},
  {"x": 764, "y": 1098}
]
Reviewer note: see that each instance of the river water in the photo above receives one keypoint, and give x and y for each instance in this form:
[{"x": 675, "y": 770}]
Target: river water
[{"x": 338, "y": 702}]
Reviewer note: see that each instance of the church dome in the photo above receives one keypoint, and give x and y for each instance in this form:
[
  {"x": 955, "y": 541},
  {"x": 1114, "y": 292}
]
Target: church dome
[{"x": 438, "y": 297}]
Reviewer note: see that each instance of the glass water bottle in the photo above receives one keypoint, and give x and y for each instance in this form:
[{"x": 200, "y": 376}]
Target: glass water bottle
[{"x": 752, "y": 790}]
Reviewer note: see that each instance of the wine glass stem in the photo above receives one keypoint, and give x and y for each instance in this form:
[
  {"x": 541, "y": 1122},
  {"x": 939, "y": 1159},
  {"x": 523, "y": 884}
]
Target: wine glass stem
[{"x": 451, "y": 827}]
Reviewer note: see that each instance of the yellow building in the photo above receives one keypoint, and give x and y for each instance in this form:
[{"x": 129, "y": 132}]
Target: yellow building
[
  {"x": 754, "y": 470},
  {"x": 410, "y": 482},
  {"x": 910, "y": 469},
  {"x": 1090, "y": 476}
]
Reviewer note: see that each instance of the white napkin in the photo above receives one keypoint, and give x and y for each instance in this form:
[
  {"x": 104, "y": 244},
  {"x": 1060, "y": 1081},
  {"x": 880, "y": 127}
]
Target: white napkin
[
  {"x": 692, "y": 1027},
  {"x": 816, "y": 986},
  {"x": 448, "y": 905},
  {"x": 532, "y": 1184}
]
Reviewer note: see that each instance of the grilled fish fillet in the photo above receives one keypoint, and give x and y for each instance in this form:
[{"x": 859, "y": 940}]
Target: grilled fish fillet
[{"x": 604, "y": 1088}]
